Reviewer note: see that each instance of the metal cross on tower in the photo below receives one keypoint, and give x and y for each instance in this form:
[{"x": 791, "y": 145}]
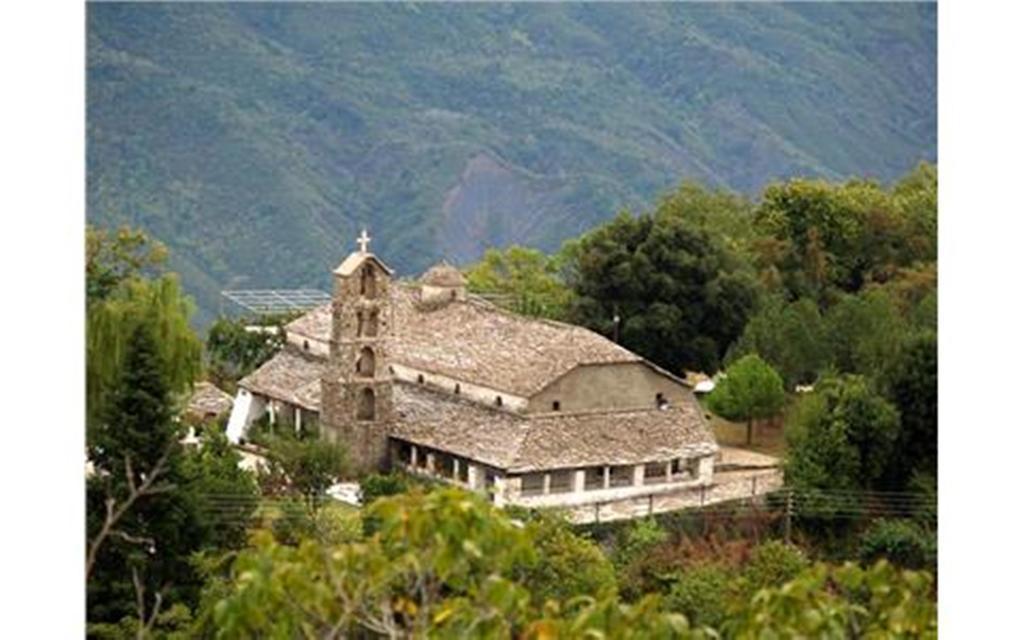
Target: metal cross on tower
[{"x": 363, "y": 241}]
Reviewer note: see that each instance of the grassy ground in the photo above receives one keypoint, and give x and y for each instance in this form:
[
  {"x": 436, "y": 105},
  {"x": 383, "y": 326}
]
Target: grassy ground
[
  {"x": 768, "y": 439},
  {"x": 768, "y": 434}
]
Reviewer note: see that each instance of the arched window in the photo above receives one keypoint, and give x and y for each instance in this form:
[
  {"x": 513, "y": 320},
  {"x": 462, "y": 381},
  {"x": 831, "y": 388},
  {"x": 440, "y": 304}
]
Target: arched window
[
  {"x": 365, "y": 365},
  {"x": 368, "y": 282},
  {"x": 360, "y": 325},
  {"x": 367, "y": 409}
]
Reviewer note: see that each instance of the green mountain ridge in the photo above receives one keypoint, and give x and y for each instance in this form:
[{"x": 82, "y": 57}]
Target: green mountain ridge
[{"x": 256, "y": 139}]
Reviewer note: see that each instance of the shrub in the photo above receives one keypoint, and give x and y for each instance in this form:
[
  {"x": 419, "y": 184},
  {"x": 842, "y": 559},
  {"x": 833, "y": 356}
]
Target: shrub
[
  {"x": 378, "y": 485},
  {"x": 567, "y": 565},
  {"x": 773, "y": 564},
  {"x": 641, "y": 536},
  {"x": 701, "y": 594},
  {"x": 902, "y": 542}
]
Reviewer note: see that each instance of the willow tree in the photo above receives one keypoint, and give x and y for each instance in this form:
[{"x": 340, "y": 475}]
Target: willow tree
[{"x": 120, "y": 298}]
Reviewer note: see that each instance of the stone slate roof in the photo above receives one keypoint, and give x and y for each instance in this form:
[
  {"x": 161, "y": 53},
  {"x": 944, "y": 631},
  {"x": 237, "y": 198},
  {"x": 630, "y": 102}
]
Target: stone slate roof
[
  {"x": 354, "y": 259},
  {"x": 522, "y": 443},
  {"x": 207, "y": 399},
  {"x": 291, "y": 375},
  {"x": 475, "y": 341}
]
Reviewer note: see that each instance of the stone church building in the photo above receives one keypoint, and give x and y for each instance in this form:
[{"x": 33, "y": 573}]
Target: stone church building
[{"x": 424, "y": 376}]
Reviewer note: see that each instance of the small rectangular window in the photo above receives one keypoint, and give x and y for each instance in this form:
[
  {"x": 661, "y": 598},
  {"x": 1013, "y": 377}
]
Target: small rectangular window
[
  {"x": 620, "y": 476},
  {"x": 593, "y": 478},
  {"x": 655, "y": 473},
  {"x": 561, "y": 481},
  {"x": 556, "y": 406},
  {"x": 533, "y": 484}
]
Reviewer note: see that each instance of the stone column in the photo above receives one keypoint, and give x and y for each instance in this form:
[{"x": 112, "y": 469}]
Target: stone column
[
  {"x": 638, "y": 475},
  {"x": 513, "y": 488},
  {"x": 499, "y": 491},
  {"x": 579, "y": 479},
  {"x": 706, "y": 469},
  {"x": 473, "y": 476}
]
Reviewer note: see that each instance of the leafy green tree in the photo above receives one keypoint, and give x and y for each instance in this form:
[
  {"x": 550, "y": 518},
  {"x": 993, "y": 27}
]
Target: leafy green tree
[
  {"x": 791, "y": 337},
  {"x": 863, "y": 329},
  {"x": 818, "y": 239},
  {"x": 113, "y": 258},
  {"x": 911, "y": 383},
  {"x": 523, "y": 279},
  {"x": 841, "y": 437},
  {"x": 442, "y": 564},
  {"x": 663, "y": 288},
  {"x": 234, "y": 352},
  {"x": 749, "y": 389},
  {"x": 151, "y": 504},
  {"x": 436, "y": 561},
  {"x": 308, "y": 466},
  {"x": 840, "y": 602},
  {"x": 110, "y": 322}
]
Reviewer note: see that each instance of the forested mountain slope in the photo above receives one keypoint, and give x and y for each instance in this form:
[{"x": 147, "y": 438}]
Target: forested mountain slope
[{"x": 255, "y": 139}]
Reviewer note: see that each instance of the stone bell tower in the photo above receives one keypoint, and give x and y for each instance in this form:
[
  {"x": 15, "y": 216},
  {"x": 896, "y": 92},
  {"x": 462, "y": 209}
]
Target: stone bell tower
[{"x": 356, "y": 403}]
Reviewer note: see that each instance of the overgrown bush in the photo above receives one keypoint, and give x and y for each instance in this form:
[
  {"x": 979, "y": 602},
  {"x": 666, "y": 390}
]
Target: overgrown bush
[
  {"x": 902, "y": 542},
  {"x": 773, "y": 564},
  {"x": 701, "y": 594},
  {"x": 378, "y": 485},
  {"x": 567, "y": 565}
]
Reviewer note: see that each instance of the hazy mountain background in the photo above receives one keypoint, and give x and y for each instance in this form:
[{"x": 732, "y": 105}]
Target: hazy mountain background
[{"x": 256, "y": 139}]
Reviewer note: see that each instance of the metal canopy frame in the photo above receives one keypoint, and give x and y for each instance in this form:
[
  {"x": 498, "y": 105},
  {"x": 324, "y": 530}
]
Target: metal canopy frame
[{"x": 277, "y": 300}]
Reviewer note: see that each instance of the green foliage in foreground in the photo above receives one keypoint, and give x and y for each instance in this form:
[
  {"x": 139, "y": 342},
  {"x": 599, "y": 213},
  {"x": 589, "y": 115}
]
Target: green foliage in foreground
[
  {"x": 447, "y": 564},
  {"x": 841, "y": 602}
]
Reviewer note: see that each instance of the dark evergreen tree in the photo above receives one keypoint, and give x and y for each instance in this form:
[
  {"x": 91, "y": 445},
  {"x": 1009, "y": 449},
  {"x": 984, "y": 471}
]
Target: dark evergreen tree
[{"x": 912, "y": 384}]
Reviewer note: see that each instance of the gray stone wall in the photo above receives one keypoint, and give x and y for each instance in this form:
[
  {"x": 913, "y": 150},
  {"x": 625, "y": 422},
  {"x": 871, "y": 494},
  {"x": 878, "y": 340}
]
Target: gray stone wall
[{"x": 609, "y": 386}]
